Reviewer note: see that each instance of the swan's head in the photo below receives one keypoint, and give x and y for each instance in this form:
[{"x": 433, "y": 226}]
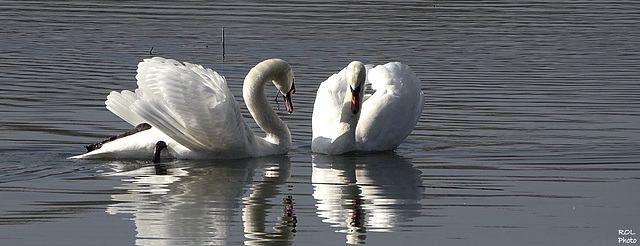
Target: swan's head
[
  {"x": 283, "y": 80},
  {"x": 276, "y": 70},
  {"x": 356, "y": 76}
]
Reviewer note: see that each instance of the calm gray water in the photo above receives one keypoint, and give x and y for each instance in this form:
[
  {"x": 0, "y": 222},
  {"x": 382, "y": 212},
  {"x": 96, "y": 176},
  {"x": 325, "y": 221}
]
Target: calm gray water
[{"x": 529, "y": 136}]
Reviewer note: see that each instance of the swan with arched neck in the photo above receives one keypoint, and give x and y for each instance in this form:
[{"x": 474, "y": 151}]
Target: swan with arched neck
[{"x": 194, "y": 115}]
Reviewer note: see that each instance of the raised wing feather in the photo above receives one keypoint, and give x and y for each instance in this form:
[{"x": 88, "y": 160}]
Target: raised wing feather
[
  {"x": 120, "y": 103},
  {"x": 189, "y": 103},
  {"x": 389, "y": 115}
]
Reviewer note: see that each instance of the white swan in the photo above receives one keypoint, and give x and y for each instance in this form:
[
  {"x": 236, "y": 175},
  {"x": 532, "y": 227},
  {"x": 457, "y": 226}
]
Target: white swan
[
  {"x": 345, "y": 119},
  {"x": 191, "y": 112}
]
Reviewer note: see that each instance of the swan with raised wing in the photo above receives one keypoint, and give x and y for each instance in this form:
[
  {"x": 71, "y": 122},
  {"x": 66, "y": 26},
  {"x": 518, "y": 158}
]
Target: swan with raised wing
[
  {"x": 346, "y": 119},
  {"x": 186, "y": 111}
]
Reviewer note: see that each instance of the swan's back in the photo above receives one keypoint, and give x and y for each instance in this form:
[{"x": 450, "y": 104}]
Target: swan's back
[{"x": 389, "y": 115}]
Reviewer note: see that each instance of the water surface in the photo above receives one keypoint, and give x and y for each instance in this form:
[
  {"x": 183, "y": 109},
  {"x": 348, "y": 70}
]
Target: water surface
[{"x": 529, "y": 133}]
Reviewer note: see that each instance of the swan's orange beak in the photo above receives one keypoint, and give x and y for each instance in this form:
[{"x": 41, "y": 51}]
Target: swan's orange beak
[
  {"x": 288, "y": 103},
  {"x": 356, "y": 101}
]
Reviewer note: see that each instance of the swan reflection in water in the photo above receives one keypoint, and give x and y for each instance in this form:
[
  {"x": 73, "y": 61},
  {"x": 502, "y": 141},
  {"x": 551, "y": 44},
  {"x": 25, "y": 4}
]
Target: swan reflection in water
[
  {"x": 360, "y": 193},
  {"x": 197, "y": 202}
]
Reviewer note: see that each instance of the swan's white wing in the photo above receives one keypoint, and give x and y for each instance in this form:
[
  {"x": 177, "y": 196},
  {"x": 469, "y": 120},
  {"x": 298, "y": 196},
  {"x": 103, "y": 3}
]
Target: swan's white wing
[
  {"x": 389, "y": 115},
  {"x": 120, "y": 103},
  {"x": 187, "y": 102}
]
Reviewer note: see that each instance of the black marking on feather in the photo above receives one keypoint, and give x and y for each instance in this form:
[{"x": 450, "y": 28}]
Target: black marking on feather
[{"x": 140, "y": 127}]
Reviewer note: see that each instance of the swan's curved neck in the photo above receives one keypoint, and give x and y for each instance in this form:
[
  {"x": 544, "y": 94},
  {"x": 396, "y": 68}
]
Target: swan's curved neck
[
  {"x": 347, "y": 125},
  {"x": 255, "y": 98}
]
